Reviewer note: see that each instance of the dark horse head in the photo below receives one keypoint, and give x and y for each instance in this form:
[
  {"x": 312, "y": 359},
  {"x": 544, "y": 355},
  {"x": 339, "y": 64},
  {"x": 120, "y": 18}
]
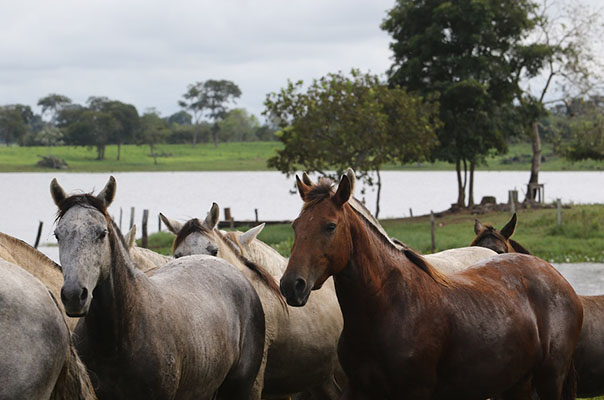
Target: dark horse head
[{"x": 498, "y": 241}]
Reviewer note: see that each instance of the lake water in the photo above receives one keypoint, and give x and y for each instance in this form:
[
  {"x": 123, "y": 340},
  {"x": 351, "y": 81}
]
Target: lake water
[{"x": 25, "y": 197}]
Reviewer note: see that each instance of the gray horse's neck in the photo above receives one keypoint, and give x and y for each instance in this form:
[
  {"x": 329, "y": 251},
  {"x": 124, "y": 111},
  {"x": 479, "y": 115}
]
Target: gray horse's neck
[{"x": 115, "y": 301}]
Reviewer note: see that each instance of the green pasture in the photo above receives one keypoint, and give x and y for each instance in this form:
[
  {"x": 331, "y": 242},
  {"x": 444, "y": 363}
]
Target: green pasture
[
  {"x": 236, "y": 156},
  {"x": 580, "y": 239}
]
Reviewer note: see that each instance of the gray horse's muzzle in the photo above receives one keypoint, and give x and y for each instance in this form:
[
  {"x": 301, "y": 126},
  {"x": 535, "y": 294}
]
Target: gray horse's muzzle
[{"x": 75, "y": 298}]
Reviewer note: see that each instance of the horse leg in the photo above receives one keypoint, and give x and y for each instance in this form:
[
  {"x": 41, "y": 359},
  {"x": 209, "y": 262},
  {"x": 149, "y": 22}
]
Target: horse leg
[
  {"x": 550, "y": 383},
  {"x": 521, "y": 391}
]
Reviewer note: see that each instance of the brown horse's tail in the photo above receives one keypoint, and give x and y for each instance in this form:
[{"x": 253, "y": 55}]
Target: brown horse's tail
[
  {"x": 73, "y": 382},
  {"x": 569, "y": 388}
]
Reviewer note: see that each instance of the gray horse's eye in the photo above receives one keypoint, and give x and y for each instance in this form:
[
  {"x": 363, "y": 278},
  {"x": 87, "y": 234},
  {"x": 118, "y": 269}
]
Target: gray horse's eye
[
  {"x": 56, "y": 235},
  {"x": 213, "y": 251},
  {"x": 102, "y": 234}
]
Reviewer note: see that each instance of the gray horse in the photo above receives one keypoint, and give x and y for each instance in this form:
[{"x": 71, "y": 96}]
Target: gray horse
[
  {"x": 194, "y": 330},
  {"x": 37, "y": 357}
]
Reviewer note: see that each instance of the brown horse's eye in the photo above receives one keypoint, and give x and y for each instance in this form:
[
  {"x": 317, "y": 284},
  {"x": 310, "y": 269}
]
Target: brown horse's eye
[{"x": 330, "y": 227}]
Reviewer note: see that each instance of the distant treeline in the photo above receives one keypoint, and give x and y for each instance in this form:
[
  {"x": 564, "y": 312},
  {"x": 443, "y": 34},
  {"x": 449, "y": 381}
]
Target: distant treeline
[{"x": 103, "y": 121}]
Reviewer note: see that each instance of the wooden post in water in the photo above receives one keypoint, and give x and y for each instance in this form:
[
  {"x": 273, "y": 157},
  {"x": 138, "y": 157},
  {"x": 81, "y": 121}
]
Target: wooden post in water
[
  {"x": 559, "y": 207},
  {"x": 131, "y": 217},
  {"x": 145, "y": 238},
  {"x": 158, "y": 223},
  {"x": 38, "y": 235},
  {"x": 410, "y": 212},
  {"x": 256, "y": 212},
  {"x": 120, "y": 219},
  {"x": 432, "y": 230}
]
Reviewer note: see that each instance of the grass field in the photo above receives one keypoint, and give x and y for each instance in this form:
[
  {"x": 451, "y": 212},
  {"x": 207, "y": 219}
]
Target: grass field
[
  {"x": 580, "y": 239},
  {"x": 247, "y": 156}
]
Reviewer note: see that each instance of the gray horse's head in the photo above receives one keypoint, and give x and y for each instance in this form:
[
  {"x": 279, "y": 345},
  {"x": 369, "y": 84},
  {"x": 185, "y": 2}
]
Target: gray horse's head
[
  {"x": 84, "y": 248},
  {"x": 194, "y": 236}
]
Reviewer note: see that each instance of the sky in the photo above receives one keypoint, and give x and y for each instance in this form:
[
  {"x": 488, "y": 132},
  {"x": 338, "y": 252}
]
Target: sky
[{"x": 147, "y": 52}]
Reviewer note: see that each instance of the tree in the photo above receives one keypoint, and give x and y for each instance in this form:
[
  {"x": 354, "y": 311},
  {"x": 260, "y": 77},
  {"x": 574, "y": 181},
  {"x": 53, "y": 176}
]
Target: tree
[
  {"x": 52, "y": 105},
  {"x": 356, "y": 121},
  {"x": 210, "y": 98},
  {"x": 126, "y": 115},
  {"x": 238, "y": 126},
  {"x": 586, "y": 131},
  {"x": 14, "y": 121},
  {"x": 154, "y": 130},
  {"x": 180, "y": 118},
  {"x": 461, "y": 49},
  {"x": 560, "y": 56}
]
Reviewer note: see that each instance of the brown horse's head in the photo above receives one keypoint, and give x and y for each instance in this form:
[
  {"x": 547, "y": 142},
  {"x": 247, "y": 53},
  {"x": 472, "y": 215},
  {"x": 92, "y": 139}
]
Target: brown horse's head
[
  {"x": 498, "y": 241},
  {"x": 322, "y": 240}
]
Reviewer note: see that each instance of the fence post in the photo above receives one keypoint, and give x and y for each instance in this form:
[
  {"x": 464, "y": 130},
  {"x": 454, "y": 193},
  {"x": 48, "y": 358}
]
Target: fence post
[
  {"x": 432, "y": 230},
  {"x": 559, "y": 207},
  {"x": 145, "y": 241},
  {"x": 38, "y": 235},
  {"x": 158, "y": 223},
  {"x": 410, "y": 212},
  {"x": 131, "y": 217},
  {"x": 120, "y": 219},
  {"x": 256, "y": 212}
]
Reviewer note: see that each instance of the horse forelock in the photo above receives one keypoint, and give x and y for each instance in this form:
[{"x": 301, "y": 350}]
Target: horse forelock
[
  {"x": 83, "y": 200},
  {"x": 191, "y": 226}
]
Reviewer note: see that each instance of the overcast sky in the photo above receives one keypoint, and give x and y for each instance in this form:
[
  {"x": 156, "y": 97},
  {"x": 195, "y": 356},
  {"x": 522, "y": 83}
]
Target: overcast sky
[{"x": 146, "y": 52}]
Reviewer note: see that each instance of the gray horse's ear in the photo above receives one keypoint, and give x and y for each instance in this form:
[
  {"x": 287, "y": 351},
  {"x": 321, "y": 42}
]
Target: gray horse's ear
[
  {"x": 306, "y": 179},
  {"x": 108, "y": 192},
  {"x": 478, "y": 227},
  {"x": 508, "y": 230},
  {"x": 353, "y": 178},
  {"x": 344, "y": 191},
  {"x": 57, "y": 192},
  {"x": 303, "y": 188},
  {"x": 247, "y": 237},
  {"x": 172, "y": 225},
  {"x": 131, "y": 237},
  {"x": 212, "y": 219}
]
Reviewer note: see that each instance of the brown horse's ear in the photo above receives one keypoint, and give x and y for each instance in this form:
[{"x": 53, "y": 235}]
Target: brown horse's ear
[
  {"x": 306, "y": 179},
  {"x": 303, "y": 188},
  {"x": 108, "y": 192},
  {"x": 478, "y": 227},
  {"x": 508, "y": 230},
  {"x": 212, "y": 219},
  {"x": 57, "y": 192},
  {"x": 344, "y": 191},
  {"x": 172, "y": 225}
]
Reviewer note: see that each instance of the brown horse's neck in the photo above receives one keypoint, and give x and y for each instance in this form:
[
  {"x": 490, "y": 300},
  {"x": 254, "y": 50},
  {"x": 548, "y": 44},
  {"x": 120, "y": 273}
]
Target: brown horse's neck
[
  {"x": 373, "y": 267},
  {"x": 116, "y": 300}
]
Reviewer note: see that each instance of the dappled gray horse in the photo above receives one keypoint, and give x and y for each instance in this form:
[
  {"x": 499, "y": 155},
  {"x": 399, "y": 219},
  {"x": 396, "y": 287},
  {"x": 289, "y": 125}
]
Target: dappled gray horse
[
  {"x": 37, "y": 358},
  {"x": 194, "y": 330}
]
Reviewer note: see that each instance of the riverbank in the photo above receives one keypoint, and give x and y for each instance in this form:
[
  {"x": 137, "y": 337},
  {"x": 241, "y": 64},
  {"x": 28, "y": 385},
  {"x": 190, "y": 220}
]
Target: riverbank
[
  {"x": 248, "y": 156},
  {"x": 579, "y": 239}
]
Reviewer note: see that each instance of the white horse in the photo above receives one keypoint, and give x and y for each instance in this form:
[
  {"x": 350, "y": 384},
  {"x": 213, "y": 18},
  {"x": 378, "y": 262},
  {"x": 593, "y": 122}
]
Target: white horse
[
  {"x": 194, "y": 330},
  {"x": 301, "y": 342},
  {"x": 37, "y": 358}
]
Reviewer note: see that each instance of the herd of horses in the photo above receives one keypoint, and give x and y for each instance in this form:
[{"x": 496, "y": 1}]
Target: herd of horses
[{"x": 352, "y": 314}]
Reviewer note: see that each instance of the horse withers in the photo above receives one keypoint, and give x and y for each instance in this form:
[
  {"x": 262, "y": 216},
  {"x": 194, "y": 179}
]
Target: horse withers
[
  {"x": 506, "y": 325},
  {"x": 194, "y": 330},
  {"x": 589, "y": 354}
]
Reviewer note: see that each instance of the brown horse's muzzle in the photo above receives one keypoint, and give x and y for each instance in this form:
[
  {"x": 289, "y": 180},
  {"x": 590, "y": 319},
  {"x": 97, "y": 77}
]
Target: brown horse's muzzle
[{"x": 295, "y": 289}]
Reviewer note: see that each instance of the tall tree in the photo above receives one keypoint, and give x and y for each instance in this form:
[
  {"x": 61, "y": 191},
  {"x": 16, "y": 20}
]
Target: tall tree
[
  {"x": 154, "y": 130},
  {"x": 560, "y": 57},
  {"x": 14, "y": 121},
  {"x": 126, "y": 115},
  {"x": 356, "y": 121},
  {"x": 210, "y": 98},
  {"x": 461, "y": 49},
  {"x": 238, "y": 126},
  {"x": 52, "y": 104}
]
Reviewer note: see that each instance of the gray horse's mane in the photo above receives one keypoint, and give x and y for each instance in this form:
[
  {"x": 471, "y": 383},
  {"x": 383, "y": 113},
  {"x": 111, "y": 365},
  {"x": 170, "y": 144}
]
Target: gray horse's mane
[{"x": 13, "y": 241}]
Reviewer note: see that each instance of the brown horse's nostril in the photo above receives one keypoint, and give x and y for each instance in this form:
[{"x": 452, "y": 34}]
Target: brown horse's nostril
[{"x": 300, "y": 285}]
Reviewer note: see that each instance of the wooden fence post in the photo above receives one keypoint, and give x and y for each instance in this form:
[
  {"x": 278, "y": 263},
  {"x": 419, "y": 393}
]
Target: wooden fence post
[
  {"x": 559, "y": 207},
  {"x": 256, "y": 212},
  {"x": 120, "y": 219},
  {"x": 158, "y": 223},
  {"x": 38, "y": 235},
  {"x": 145, "y": 241},
  {"x": 131, "y": 217},
  {"x": 410, "y": 212},
  {"x": 432, "y": 230}
]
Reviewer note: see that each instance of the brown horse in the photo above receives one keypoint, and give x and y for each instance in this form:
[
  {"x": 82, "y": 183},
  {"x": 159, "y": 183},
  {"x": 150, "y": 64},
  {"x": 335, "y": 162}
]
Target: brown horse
[
  {"x": 589, "y": 354},
  {"x": 502, "y": 327}
]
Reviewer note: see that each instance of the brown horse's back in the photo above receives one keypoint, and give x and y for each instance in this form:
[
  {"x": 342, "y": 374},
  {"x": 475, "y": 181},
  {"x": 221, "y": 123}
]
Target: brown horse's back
[{"x": 589, "y": 355}]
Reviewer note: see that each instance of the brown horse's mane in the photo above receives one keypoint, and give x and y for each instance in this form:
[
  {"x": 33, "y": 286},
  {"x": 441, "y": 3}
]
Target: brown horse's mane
[
  {"x": 195, "y": 226},
  {"x": 324, "y": 189},
  {"x": 38, "y": 254}
]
